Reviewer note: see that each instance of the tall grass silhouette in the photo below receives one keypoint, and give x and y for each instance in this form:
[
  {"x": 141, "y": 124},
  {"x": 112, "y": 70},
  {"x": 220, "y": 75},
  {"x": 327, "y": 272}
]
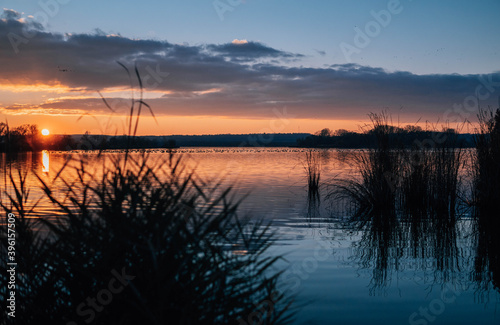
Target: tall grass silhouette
[
  {"x": 192, "y": 259},
  {"x": 374, "y": 191},
  {"x": 430, "y": 177},
  {"x": 313, "y": 170},
  {"x": 486, "y": 197},
  {"x": 487, "y": 161},
  {"x": 420, "y": 181}
]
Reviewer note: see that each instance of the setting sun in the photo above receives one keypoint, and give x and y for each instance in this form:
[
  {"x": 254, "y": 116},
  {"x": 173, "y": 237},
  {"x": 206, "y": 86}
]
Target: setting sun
[{"x": 45, "y": 132}]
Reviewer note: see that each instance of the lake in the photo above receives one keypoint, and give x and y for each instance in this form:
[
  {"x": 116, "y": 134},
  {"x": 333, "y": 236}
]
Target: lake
[{"x": 340, "y": 272}]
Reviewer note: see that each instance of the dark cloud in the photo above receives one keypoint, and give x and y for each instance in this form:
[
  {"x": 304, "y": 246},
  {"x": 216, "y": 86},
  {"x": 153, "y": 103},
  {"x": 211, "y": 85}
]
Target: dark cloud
[
  {"x": 238, "y": 79},
  {"x": 322, "y": 53},
  {"x": 10, "y": 14},
  {"x": 248, "y": 51}
]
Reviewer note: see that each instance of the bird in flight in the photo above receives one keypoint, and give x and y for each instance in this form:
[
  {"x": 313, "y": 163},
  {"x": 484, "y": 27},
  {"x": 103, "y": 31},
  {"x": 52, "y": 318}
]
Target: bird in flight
[{"x": 63, "y": 69}]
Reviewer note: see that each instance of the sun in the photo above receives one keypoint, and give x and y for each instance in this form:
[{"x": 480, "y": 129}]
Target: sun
[{"x": 45, "y": 132}]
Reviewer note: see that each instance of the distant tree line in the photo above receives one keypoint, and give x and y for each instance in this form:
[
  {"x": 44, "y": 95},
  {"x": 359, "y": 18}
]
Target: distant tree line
[
  {"x": 406, "y": 136},
  {"x": 27, "y": 137}
]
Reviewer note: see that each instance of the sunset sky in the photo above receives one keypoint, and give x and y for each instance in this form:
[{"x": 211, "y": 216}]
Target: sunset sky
[{"x": 229, "y": 66}]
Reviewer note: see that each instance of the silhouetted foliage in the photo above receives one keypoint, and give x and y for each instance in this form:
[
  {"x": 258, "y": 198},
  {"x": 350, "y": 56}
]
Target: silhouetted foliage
[
  {"x": 179, "y": 241},
  {"x": 408, "y": 201},
  {"x": 379, "y": 168},
  {"x": 486, "y": 198},
  {"x": 405, "y": 137},
  {"x": 313, "y": 170},
  {"x": 420, "y": 178},
  {"x": 181, "y": 253},
  {"x": 27, "y": 137}
]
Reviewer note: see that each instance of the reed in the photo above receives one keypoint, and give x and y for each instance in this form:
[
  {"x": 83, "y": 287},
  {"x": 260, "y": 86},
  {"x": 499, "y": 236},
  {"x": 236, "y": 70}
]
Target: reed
[
  {"x": 444, "y": 179},
  {"x": 486, "y": 197},
  {"x": 487, "y": 163},
  {"x": 190, "y": 258},
  {"x": 430, "y": 179},
  {"x": 374, "y": 191},
  {"x": 313, "y": 170},
  {"x": 418, "y": 181}
]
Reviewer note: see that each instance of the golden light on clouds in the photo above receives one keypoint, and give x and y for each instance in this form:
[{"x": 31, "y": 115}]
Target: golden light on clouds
[
  {"x": 23, "y": 87},
  {"x": 208, "y": 91},
  {"x": 239, "y": 42},
  {"x": 28, "y": 110}
]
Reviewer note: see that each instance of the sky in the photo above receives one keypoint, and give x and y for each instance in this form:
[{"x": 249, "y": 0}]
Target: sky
[{"x": 246, "y": 66}]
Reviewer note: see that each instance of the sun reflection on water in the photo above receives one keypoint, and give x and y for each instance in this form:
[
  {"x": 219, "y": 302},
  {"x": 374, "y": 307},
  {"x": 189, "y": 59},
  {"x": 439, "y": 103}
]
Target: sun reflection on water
[{"x": 45, "y": 161}]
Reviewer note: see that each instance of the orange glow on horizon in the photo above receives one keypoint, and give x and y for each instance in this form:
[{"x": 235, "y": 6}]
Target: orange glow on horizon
[
  {"x": 190, "y": 125},
  {"x": 45, "y": 132},
  {"x": 179, "y": 125}
]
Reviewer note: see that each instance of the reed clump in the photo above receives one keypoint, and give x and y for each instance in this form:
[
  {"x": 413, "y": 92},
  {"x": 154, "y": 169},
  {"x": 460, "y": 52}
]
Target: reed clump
[
  {"x": 379, "y": 168},
  {"x": 188, "y": 257},
  {"x": 486, "y": 196},
  {"x": 420, "y": 181},
  {"x": 313, "y": 170},
  {"x": 430, "y": 179},
  {"x": 487, "y": 162},
  {"x": 171, "y": 244},
  {"x": 416, "y": 181}
]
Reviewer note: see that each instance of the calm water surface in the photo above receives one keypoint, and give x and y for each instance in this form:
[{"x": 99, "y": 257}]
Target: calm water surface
[{"x": 341, "y": 273}]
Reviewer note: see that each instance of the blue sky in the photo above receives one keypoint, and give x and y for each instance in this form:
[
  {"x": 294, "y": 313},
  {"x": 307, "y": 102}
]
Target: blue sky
[
  {"x": 229, "y": 65},
  {"x": 459, "y": 36}
]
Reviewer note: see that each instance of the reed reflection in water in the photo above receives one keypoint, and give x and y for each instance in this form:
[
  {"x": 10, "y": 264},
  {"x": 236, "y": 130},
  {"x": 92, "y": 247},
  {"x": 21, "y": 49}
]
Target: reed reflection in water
[{"x": 390, "y": 246}]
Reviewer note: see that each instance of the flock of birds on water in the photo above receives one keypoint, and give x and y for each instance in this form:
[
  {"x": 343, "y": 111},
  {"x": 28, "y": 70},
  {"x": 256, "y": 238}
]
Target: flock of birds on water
[{"x": 197, "y": 150}]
